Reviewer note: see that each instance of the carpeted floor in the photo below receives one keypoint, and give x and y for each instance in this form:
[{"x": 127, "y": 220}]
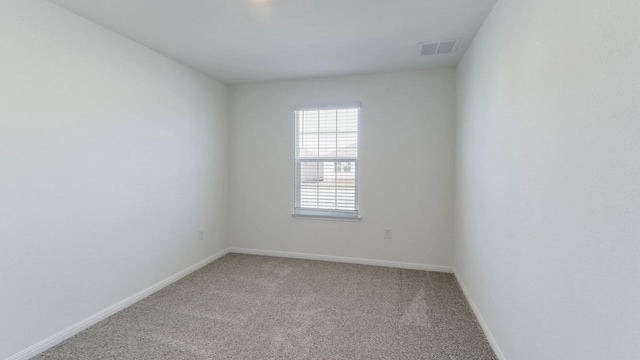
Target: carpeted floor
[{"x": 256, "y": 307}]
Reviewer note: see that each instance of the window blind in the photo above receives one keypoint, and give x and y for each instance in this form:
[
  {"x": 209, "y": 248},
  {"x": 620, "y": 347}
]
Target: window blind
[{"x": 326, "y": 161}]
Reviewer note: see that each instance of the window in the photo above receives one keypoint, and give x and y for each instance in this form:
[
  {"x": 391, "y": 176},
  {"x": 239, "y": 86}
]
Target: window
[{"x": 326, "y": 162}]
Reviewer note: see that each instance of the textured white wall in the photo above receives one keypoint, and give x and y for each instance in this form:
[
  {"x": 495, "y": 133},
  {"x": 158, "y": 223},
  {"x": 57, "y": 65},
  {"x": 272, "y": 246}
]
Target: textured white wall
[
  {"x": 406, "y": 163},
  {"x": 548, "y": 202},
  {"x": 111, "y": 159}
]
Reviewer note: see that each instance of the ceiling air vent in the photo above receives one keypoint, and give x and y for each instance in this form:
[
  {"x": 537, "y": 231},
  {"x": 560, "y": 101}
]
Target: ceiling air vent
[{"x": 439, "y": 47}]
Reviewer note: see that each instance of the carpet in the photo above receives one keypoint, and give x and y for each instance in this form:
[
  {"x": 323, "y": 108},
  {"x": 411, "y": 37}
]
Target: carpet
[{"x": 258, "y": 307}]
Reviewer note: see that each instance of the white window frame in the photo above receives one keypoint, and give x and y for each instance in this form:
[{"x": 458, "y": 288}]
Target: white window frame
[{"x": 326, "y": 214}]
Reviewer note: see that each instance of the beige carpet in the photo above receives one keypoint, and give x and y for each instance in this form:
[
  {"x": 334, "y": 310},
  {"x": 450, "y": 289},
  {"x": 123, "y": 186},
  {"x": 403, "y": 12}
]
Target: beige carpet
[{"x": 256, "y": 307}]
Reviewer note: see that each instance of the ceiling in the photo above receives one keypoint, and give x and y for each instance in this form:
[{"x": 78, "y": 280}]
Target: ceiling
[{"x": 239, "y": 41}]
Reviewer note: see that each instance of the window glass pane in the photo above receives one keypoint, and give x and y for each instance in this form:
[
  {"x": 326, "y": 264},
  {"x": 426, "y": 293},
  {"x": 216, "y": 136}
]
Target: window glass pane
[{"x": 327, "y": 185}]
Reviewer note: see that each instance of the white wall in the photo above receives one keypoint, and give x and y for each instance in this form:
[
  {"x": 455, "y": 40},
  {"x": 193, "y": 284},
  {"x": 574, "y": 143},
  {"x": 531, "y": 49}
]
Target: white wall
[
  {"x": 406, "y": 164},
  {"x": 548, "y": 198},
  {"x": 111, "y": 159}
]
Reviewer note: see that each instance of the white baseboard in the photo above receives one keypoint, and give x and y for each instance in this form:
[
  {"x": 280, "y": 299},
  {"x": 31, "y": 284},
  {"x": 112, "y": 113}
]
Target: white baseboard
[
  {"x": 483, "y": 324},
  {"x": 59, "y": 337},
  {"x": 343, "y": 259}
]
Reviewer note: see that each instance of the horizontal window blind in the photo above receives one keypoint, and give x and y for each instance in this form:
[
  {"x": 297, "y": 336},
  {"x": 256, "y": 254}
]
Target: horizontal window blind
[{"x": 326, "y": 161}]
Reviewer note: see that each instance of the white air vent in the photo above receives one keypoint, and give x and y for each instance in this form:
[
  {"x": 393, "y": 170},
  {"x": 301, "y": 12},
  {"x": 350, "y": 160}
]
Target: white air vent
[{"x": 439, "y": 47}]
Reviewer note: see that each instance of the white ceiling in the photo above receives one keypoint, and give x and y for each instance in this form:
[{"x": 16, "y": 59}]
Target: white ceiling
[{"x": 240, "y": 41}]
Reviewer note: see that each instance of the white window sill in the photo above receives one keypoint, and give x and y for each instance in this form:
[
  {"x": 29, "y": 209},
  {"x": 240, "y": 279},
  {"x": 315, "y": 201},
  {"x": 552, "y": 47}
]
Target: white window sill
[{"x": 327, "y": 217}]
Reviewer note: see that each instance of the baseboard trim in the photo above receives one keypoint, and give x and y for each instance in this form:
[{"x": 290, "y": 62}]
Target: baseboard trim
[
  {"x": 60, "y": 336},
  {"x": 72, "y": 330},
  {"x": 343, "y": 259},
  {"x": 483, "y": 324}
]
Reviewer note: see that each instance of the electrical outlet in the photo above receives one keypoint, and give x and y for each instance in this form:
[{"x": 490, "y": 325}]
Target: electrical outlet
[
  {"x": 201, "y": 234},
  {"x": 387, "y": 234}
]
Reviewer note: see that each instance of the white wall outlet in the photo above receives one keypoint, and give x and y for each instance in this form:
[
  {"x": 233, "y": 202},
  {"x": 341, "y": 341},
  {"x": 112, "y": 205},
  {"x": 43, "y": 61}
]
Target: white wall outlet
[
  {"x": 201, "y": 234},
  {"x": 387, "y": 233}
]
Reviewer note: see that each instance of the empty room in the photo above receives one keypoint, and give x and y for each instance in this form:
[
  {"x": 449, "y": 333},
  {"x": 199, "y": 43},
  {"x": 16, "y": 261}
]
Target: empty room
[{"x": 320, "y": 179}]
